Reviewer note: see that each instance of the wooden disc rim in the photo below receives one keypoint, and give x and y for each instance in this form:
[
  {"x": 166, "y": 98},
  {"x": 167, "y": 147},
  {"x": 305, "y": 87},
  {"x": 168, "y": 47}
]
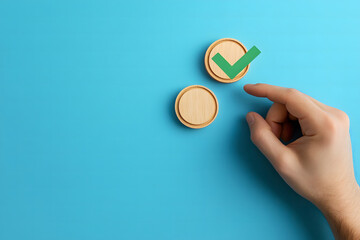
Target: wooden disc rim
[
  {"x": 207, "y": 65},
  {"x": 188, "y": 124}
]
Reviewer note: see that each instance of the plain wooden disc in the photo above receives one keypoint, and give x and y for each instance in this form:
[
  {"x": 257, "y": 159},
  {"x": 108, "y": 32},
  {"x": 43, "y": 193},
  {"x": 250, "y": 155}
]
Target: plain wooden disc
[
  {"x": 232, "y": 50},
  {"x": 196, "y": 106}
]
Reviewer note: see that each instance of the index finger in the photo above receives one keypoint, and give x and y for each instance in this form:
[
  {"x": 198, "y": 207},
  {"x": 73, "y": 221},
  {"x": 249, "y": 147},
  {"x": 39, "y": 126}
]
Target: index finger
[{"x": 297, "y": 103}]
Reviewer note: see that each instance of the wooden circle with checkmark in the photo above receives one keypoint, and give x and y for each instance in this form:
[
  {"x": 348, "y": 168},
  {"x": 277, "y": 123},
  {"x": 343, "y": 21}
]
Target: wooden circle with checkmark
[
  {"x": 196, "y": 106},
  {"x": 231, "y": 50}
]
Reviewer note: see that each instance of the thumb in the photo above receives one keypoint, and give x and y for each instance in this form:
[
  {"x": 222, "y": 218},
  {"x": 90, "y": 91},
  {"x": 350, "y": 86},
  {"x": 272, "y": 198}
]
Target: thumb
[{"x": 265, "y": 140}]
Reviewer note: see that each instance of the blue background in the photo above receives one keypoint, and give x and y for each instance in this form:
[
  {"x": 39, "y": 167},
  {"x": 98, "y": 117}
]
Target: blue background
[{"x": 90, "y": 147}]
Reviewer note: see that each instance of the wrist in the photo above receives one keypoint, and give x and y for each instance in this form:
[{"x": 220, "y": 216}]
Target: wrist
[
  {"x": 343, "y": 212},
  {"x": 341, "y": 202}
]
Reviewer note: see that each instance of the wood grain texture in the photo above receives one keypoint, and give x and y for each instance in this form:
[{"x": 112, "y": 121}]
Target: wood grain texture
[
  {"x": 196, "y": 106},
  {"x": 232, "y": 50}
]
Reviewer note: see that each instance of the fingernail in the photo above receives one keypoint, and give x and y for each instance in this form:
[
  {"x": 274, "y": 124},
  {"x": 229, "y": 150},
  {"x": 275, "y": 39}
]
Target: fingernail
[{"x": 250, "y": 118}]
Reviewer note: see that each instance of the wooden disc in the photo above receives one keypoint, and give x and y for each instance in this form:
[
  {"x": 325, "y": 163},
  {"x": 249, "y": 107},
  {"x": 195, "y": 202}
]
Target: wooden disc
[
  {"x": 196, "y": 106},
  {"x": 232, "y": 50}
]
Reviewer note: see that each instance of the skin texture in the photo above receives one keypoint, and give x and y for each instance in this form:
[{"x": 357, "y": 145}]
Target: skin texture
[{"x": 318, "y": 165}]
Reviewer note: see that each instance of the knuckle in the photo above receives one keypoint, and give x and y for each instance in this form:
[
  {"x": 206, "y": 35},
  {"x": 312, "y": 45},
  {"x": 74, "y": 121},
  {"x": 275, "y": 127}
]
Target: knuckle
[
  {"x": 336, "y": 122},
  {"x": 329, "y": 124},
  {"x": 343, "y": 117},
  {"x": 283, "y": 166},
  {"x": 293, "y": 95},
  {"x": 257, "y": 136},
  {"x": 293, "y": 92}
]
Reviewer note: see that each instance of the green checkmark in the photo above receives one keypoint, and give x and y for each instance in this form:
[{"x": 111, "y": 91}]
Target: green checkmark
[{"x": 233, "y": 70}]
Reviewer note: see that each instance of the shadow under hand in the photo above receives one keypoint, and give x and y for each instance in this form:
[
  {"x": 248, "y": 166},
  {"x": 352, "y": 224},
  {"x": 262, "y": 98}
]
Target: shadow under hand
[{"x": 305, "y": 214}]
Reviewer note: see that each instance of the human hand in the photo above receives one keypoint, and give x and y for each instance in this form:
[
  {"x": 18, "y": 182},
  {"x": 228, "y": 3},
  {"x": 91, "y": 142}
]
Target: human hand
[{"x": 318, "y": 165}]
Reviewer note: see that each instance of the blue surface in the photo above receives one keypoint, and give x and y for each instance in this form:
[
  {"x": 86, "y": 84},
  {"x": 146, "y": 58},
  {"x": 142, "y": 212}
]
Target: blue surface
[{"x": 90, "y": 147}]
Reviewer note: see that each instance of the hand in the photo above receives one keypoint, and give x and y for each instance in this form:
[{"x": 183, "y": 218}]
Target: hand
[{"x": 318, "y": 165}]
